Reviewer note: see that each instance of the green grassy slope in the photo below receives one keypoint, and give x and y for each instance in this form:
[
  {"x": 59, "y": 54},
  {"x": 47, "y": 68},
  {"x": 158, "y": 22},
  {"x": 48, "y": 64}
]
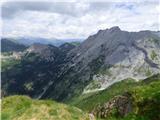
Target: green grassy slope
[
  {"x": 145, "y": 103},
  {"x": 87, "y": 102},
  {"x": 145, "y": 98},
  {"x": 25, "y": 108}
]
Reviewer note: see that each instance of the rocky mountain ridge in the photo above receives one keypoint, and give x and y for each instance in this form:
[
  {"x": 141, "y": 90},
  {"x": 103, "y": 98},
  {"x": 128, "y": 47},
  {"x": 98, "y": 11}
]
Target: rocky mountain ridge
[
  {"x": 120, "y": 51},
  {"x": 109, "y": 56},
  {"x": 102, "y": 59}
]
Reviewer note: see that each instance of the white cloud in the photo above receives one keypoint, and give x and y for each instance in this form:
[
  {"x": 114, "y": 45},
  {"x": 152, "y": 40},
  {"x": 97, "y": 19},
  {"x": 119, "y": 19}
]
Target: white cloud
[{"x": 79, "y": 20}]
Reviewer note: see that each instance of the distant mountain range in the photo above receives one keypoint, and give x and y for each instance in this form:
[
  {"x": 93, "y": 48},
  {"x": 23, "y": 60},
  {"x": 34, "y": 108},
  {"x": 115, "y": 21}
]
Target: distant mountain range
[
  {"x": 7, "y": 46},
  {"x": 31, "y": 40}
]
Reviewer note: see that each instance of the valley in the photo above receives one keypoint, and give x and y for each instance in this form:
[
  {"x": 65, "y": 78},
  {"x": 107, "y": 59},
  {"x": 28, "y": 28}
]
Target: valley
[{"x": 112, "y": 75}]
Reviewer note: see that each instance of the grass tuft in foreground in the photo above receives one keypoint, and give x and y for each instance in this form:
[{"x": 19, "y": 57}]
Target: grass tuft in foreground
[{"x": 25, "y": 108}]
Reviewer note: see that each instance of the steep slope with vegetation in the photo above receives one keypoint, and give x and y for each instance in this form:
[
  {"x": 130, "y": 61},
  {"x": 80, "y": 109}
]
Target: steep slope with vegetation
[
  {"x": 88, "y": 101},
  {"x": 32, "y": 72},
  {"x": 141, "y": 97},
  {"x": 25, "y": 108},
  {"x": 124, "y": 100}
]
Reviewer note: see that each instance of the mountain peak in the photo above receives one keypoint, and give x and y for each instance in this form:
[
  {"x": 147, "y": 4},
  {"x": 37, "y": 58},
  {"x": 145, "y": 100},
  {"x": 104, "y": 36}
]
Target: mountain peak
[
  {"x": 44, "y": 50},
  {"x": 112, "y": 29},
  {"x": 115, "y": 28}
]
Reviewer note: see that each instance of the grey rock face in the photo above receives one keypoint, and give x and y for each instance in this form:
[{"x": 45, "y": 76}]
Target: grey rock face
[
  {"x": 109, "y": 56},
  {"x": 130, "y": 54}
]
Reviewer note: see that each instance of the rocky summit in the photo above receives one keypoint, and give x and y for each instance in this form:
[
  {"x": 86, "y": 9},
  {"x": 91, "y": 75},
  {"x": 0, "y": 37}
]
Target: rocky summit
[{"x": 107, "y": 57}]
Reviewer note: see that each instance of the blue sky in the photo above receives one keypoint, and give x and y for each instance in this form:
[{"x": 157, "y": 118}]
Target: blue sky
[{"x": 65, "y": 20}]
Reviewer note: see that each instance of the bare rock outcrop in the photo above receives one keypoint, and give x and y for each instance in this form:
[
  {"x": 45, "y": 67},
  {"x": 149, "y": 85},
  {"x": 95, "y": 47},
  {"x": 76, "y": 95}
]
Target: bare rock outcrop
[{"x": 119, "y": 105}]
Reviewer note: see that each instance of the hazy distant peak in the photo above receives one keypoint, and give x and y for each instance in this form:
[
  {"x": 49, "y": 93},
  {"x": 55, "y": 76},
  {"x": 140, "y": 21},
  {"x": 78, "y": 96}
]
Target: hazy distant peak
[{"x": 67, "y": 47}]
